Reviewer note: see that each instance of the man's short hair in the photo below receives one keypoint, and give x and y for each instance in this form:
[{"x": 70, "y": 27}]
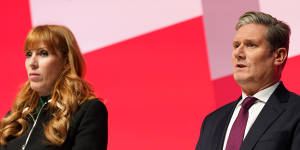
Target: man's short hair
[{"x": 277, "y": 33}]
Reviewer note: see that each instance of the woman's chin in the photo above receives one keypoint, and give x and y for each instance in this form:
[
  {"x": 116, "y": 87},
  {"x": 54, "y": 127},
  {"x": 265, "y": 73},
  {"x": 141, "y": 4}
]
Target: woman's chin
[{"x": 40, "y": 90}]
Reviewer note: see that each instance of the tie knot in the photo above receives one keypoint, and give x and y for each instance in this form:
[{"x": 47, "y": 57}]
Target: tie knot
[{"x": 248, "y": 102}]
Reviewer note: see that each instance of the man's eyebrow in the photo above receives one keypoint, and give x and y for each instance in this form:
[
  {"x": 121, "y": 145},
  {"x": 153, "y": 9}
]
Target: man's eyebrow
[{"x": 249, "y": 40}]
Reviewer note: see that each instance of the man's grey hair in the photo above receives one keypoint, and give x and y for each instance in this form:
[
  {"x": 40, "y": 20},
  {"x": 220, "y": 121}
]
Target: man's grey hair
[{"x": 277, "y": 33}]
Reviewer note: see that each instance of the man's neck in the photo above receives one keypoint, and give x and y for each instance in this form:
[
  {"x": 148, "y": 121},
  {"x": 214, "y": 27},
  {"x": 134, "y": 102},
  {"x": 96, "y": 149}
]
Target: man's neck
[{"x": 251, "y": 90}]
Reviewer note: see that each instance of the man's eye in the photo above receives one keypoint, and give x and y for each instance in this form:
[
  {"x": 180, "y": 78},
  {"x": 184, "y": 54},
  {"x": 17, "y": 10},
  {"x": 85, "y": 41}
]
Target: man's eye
[
  {"x": 235, "y": 46},
  {"x": 44, "y": 53},
  {"x": 28, "y": 54},
  {"x": 251, "y": 45}
]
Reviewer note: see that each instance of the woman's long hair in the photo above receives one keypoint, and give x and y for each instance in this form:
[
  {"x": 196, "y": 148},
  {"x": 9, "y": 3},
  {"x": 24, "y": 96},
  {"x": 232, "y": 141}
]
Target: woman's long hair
[{"x": 69, "y": 91}]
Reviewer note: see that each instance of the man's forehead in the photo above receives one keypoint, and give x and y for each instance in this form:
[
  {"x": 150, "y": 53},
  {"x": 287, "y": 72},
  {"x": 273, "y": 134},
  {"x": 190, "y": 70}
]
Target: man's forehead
[
  {"x": 250, "y": 32},
  {"x": 251, "y": 29},
  {"x": 247, "y": 40}
]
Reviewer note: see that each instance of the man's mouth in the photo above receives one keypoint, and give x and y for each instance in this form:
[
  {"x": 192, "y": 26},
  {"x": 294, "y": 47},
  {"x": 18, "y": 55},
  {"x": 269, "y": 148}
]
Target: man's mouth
[{"x": 241, "y": 66}]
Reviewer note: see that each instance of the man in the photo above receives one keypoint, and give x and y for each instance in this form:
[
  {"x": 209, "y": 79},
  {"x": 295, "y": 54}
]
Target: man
[{"x": 267, "y": 115}]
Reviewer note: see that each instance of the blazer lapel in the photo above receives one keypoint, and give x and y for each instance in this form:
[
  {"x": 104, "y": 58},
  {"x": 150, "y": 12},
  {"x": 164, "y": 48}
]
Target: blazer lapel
[
  {"x": 271, "y": 111},
  {"x": 224, "y": 125}
]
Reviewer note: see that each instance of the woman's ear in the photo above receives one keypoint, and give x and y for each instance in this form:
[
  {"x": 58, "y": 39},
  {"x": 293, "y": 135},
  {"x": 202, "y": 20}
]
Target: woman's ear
[{"x": 281, "y": 55}]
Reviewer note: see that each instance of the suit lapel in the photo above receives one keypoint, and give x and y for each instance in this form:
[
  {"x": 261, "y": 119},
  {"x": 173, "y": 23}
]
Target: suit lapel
[
  {"x": 271, "y": 111},
  {"x": 224, "y": 124}
]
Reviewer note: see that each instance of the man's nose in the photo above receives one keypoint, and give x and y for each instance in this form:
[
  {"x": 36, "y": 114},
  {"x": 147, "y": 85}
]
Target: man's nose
[{"x": 239, "y": 52}]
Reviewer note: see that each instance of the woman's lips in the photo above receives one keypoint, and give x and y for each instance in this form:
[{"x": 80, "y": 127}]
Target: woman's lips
[{"x": 34, "y": 76}]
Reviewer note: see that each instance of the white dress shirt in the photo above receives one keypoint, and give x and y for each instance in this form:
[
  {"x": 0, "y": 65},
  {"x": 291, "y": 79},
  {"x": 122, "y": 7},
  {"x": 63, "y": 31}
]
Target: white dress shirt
[{"x": 254, "y": 110}]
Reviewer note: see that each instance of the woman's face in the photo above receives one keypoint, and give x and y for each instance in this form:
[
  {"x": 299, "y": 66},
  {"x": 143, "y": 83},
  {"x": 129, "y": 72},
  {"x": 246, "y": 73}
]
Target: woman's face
[{"x": 43, "y": 68}]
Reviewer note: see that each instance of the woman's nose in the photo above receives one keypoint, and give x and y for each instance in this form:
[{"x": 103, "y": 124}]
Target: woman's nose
[{"x": 33, "y": 61}]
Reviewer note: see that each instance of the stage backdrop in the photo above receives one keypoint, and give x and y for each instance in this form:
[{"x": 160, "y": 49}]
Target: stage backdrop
[{"x": 160, "y": 65}]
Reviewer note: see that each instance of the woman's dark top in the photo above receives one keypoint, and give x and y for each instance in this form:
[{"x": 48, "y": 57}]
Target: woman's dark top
[{"x": 88, "y": 130}]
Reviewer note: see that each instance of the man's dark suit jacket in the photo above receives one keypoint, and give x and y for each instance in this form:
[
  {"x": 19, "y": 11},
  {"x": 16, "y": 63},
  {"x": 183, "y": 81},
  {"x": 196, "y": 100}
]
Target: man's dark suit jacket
[{"x": 277, "y": 127}]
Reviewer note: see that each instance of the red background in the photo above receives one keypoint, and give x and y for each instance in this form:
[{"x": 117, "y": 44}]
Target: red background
[{"x": 157, "y": 86}]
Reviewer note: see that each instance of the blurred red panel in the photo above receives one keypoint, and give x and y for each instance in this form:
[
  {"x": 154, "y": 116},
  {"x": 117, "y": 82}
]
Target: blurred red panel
[
  {"x": 291, "y": 74},
  {"x": 15, "y": 23},
  {"x": 157, "y": 87},
  {"x": 226, "y": 90}
]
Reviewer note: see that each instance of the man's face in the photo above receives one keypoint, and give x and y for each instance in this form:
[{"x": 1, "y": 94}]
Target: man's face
[{"x": 253, "y": 61}]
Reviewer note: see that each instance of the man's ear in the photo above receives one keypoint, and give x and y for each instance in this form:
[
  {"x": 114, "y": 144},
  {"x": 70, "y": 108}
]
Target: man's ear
[{"x": 280, "y": 55}]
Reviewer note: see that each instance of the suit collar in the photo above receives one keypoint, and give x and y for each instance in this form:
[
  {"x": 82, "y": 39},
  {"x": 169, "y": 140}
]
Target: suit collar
[{"x": 271, "y": 111}]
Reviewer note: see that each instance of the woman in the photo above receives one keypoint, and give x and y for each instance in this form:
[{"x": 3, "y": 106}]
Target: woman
[{"x": 56, "y": 109}]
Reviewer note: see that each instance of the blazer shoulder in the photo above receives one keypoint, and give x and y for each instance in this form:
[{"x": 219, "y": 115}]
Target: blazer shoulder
[
  {"x": 223, "y": 110},
  {"x": 294, "y": 95},
  {"x": 93, "y": 103},
  {"x": 90, "y": 108},
  {"x": 89, "y": 125},
  {"x": 93, "y": 106},
  {"x": 294, "y": 99}
]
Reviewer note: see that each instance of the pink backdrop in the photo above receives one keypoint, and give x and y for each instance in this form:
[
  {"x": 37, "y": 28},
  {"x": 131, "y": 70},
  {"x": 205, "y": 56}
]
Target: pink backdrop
[{"x": 161, "y": 66}]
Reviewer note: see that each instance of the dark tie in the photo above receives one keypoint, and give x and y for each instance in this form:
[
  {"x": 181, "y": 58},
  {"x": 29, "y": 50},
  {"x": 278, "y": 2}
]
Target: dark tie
[{"x": 237, "y": 131}]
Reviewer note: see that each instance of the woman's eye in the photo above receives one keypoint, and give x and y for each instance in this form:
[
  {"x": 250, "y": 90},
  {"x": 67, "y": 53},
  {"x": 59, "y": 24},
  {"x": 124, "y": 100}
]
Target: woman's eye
[
  {"x": 28, "y": 54},
  {"x": 44, "y": 53}
]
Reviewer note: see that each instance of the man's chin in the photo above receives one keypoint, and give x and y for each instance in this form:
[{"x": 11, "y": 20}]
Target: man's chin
[{"x": 239, "y": 79}]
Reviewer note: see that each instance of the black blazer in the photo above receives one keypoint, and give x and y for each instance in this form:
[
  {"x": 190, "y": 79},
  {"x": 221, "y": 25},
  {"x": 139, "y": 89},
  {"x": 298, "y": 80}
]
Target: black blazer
[
  {"x": 277, "y": 127},
  {"x": 88, "y": 130}
]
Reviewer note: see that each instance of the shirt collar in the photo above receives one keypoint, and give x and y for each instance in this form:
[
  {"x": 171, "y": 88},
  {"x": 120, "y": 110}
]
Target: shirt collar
[
  {"x": 262, "y": 95},
  {"x": 58, "y": 105}
]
